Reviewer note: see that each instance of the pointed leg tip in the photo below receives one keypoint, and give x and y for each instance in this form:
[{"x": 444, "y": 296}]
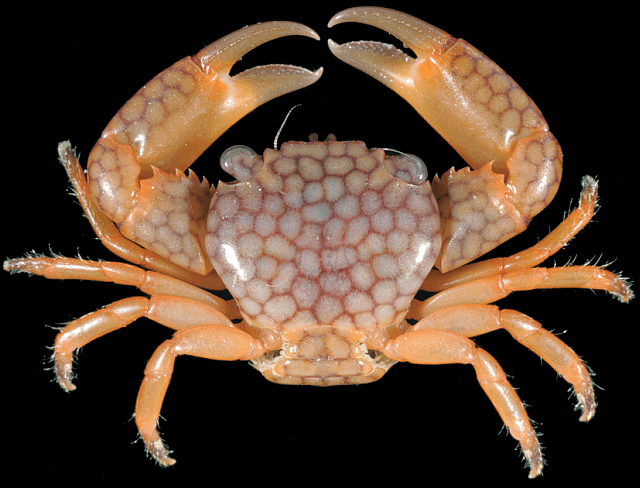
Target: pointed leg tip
[
  {"x": 534, "y": 460},
  {"x": 158, "y": 451},
  {"x": 587, "y": 405},
  {"x": 64, "y": 374}
]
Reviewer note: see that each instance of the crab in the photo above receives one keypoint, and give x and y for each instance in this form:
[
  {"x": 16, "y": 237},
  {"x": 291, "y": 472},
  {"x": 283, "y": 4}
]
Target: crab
[{"x": 323, "y": 245}]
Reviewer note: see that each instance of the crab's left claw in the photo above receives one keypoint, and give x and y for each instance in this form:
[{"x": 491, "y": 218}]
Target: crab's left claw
[
  {"x": 136, "y": 170},
  {"x": 487, "y": 118}
]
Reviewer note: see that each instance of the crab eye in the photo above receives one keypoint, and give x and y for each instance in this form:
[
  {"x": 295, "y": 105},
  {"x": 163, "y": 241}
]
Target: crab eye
[
  {"x": 406, "y": 167},
  {"x": 242, "y": 162}
]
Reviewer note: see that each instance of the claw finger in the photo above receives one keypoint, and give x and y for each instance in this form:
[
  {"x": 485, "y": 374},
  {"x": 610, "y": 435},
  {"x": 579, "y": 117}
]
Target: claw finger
[
  {"x": 381, "y": 61},
  {"x": 425, "y": 39},
  {"x": 384, "y": 62},
  {"x": 265, "y": 83},
  {"x": 225, "y": 52},
  {"x": 466, "y": 97}
]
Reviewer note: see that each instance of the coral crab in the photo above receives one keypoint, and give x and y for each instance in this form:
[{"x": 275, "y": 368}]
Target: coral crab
[{"x": 331, "y": 277}]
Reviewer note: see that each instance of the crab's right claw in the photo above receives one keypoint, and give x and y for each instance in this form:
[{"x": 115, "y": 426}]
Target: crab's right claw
[
  {"x": 483, "y": 114},
  {"x": 464, "y": 95},
  {"x": 238, "y": 95},
  {"x": 199, "y": 100}
]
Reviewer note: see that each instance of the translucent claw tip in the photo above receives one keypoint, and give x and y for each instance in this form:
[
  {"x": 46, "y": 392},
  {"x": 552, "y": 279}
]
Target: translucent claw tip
[
  {"x": 224, "y": 53},
  {"x": 423, "y": 38}
]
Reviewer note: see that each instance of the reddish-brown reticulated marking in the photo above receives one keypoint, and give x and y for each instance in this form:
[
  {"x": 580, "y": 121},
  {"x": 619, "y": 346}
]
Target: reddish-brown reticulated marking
[{"x": 323, "y": 236}]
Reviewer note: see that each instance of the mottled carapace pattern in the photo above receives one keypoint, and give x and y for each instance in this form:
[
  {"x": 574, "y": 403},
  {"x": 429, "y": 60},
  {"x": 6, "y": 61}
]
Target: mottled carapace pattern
[{"x": 325, "y": 239}]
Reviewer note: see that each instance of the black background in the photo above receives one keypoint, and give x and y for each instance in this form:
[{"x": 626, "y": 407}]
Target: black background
[{"x": 418, "y": 424}]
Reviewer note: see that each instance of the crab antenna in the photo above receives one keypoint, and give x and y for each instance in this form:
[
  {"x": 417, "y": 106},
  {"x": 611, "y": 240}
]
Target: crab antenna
[{"x": 275, "y": 141}]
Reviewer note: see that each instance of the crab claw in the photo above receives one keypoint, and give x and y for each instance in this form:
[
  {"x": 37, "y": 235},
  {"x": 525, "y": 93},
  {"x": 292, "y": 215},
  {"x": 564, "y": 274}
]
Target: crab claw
[
  {"x": 466, "y": 97},
  {"x": 240, "y": 94},
  {"x": 199, "y": 100},
  {"x": 184, "y": 109},
  {"x": 140, "y": 159},
  {"x": 483, "y": 114},
  {"x": 425, "y": 82}
]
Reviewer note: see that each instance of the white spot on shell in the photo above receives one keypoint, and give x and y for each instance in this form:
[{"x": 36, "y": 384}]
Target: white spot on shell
[
  {"x": 266, "y": 267},
  {"x": 309, "y": 263},
  {"x": 385, "y": 266},
  {"x": 250, "y": 245},
  {"x": 347, "y": 207},
  {"x": 358, "y": 302},
  {"x": 365, "y": 320},
  {"x": 249, "y": 306},
  {"x": 371, "y": 202},
  {"x": 333, "y": 188},
  {"x": 305, "y": 292},
  {"x": 362, "y": 276},
  {"x": 356, "y": 182},
  {"x": 319, "y": 213},
  {"x": 384, "y": 291},
  {"x": 290, "y": 224},
  {"x": 313, "y": 192},
  {"x": 279, "y": 248},
  {"x": 328, "y": 308},
  {"x": 265, "y": 225},
  {"x": 280, "y": 308},
  {"x": 356, "y": 231},
  {"x": 382, "y": 221},
  {"x": 397, "y": 241},
  {"x": 259, "y": 290},
  {"x": 385, "y": 314},
  {"x": 273, "y": 204}
]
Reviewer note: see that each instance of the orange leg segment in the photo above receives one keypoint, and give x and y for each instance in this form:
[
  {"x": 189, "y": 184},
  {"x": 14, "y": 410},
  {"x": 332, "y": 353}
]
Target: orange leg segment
[
  {"x": 559, "y": 237},
  {"x": 493, "y": 288},
  {"x": 210, "y": 342},
  {"x": 442, "y": 347},
  {"x": 474, "y": 320},
  {"x": 174, "y": 312},
  {"x": 124, "y": 274}
]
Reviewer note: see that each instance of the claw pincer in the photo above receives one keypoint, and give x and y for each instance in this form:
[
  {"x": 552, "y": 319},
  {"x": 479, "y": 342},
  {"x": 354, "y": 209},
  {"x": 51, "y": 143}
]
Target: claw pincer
[
  {"x": 487, "y": 118},
  {"x": 135, "y": 171}
]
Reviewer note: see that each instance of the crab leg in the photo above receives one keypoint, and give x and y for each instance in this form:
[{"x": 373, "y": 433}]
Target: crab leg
[
  {"x": 487, "y": 118},
  {"x": 474, "y": 320},
  {"x": 210, "y": 342},
  {"x": 170, "y": 311},
  {"x": 442, "y": 347},
  {"x": 135, "y": 169},
  {"x": 496, "y": 287},
  {"x": 125, "y": 274},
  {"x": 552, "y": 243}
]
